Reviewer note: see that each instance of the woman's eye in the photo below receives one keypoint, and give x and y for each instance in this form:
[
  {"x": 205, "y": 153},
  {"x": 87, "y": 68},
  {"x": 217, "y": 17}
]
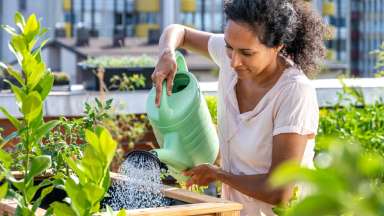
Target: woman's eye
[{"x": 247, "y": 54}]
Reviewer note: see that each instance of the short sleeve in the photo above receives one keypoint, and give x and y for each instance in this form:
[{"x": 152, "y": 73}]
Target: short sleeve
[
  {"x": 216, "y": 48},
  {"x": 297, "y": 110}
]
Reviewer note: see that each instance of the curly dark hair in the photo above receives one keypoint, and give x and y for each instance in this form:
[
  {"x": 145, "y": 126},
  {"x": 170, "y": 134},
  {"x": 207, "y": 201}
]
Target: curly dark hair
[{"x": 292, "y": 23}]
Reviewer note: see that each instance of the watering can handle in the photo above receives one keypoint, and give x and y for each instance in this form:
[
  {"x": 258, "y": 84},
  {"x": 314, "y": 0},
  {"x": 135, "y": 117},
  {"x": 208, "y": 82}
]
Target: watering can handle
[
  {"x": 181, "y": 68},
  {"x": 181, "y": 64}
]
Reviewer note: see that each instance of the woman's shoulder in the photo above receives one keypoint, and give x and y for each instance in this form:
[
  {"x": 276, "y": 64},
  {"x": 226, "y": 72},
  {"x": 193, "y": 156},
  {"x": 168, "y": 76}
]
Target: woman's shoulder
[
  {"x": 216, "y": 48},
  {"x": 294, "y": 81}
]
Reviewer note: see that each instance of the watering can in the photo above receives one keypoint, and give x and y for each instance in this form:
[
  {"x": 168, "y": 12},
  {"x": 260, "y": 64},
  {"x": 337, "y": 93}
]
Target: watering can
[{"x": 182, "y": 124}]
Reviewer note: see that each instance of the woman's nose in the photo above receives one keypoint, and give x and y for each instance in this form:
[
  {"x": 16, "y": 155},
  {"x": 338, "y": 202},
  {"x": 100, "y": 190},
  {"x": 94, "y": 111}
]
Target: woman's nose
[{"x": 235, "y": 60}]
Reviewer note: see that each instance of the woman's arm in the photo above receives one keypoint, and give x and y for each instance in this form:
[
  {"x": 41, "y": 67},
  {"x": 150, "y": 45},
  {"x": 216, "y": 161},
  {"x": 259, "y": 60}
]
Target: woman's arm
[
  {"x": 288, "y": 146},
  {"x": 175, "y": 36}
]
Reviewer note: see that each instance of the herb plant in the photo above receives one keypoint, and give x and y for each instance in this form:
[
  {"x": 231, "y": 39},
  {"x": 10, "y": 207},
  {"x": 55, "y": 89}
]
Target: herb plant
[
  {"x": 35, "y": 82},
  {"x": 92, "y": 179}
]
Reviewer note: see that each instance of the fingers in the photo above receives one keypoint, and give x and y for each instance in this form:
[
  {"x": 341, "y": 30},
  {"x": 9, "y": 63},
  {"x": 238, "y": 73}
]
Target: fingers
[
  {"x": 169, "y": 84},
  {"x": 159, "y": 87},
  {"x": 170, "y": 78}
]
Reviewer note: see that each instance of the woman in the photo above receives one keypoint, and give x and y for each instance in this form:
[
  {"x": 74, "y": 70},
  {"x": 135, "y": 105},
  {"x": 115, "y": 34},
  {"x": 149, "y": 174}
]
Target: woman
[{"x": 267, "y": 108}]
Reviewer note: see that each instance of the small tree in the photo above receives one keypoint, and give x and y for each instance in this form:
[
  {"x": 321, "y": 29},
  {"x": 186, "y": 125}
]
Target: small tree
[{"x": 34, "y": 82}]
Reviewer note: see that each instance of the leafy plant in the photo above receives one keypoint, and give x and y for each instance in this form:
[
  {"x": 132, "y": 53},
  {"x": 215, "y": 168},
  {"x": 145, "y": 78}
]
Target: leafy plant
[
  {"x": 364, "y": 122},
  {"x": 91, "y": 180},
  {"x": 347, "y": 181},
  {"x": 120, "y": 62},
  {"x": 35, "y": 84},
  {"x": 68, "y": 138},
  {"x": 212, "y": 107},
  {"x": 379, "y": 53},
  {"x": 60, "y": 78},
  {"x": 127, "y": 83}
]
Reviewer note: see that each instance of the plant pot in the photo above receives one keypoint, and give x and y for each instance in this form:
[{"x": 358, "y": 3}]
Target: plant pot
[{"x": 88, "y": 76}]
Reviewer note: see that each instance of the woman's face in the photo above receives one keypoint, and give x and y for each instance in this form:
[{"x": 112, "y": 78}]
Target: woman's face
[{"x": 249, "y": 57}]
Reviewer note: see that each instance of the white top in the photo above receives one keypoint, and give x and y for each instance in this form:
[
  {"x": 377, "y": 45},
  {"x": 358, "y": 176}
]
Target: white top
[{"x": 290, "y": 106}]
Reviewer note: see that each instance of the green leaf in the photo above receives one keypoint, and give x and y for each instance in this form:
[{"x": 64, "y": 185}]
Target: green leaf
[
  {"x": 291, "y": 172},
  {"x": 45, "y": 85},
  {"x": 31, "y": 190},
  {"x": 18, "y": 44},
  {"x": 108, "y": 145},
  {"x": 22, "y": 210},
  {"x": 34, "y": 70},
  {"x": 93, "y": 193},
  {"x": 43, "y": 31},
  {"x": 37, "y": 166},
  {"x": 12, "y": 119},
  {"x": 122, "y": 212},
  {"x": 43, "y": 194},
  {"x": 17, "y": 75},
  {"x": 19, "y": 20},
  {"x": 78, "y": 169},
  {"x": 5, "y": 158},
  {"x": 92, "y": 140},
  {"x": 78, "y": 198},
  {"x": 3, "y": 190},
  {"x": 62, "y": 209},
  {"x": 317, "y": 205},
  {"x": 19, "y": 94},
  {"x": 44, "y": 129},
  {"x": 9, "y": 29},
  {"x": 32, "y": 106},
  {"x": 31, "y": 28}
]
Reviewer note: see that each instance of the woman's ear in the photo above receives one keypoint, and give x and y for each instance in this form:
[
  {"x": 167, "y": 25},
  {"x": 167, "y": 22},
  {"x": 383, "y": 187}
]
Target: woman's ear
[{"x": 279, "y": 48}]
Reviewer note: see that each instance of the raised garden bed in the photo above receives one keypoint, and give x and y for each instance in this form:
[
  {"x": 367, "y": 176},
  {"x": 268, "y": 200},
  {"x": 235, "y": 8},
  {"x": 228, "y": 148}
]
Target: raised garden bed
[
  {"x": 116, "y": 66},
  {"x": 186, "y": 203},
  {"x": 89, "y": 79}
]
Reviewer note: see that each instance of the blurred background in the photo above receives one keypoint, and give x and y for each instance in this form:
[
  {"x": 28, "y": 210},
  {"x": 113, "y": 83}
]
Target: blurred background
[{"x": 80, "y": 29}]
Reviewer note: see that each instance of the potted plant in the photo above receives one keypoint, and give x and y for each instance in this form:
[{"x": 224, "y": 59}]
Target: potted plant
[
  {"x": 60, "y": 81},
  {"x": 112, "y": 66}
]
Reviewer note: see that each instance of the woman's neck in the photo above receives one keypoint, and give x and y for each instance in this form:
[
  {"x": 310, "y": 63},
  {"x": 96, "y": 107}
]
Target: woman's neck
[{"x": 270, "y": 75}]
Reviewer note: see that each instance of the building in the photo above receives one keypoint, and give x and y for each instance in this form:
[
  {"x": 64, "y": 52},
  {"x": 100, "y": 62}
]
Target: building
[
  {"x": 358, "y": 27},
  {"x": 49, "y": 10},
  {"x": 136, "y": 17}
]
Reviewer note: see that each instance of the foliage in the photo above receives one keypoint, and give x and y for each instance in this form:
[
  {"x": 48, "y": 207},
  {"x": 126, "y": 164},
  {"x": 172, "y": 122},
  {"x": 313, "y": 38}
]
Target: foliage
[
  {"x": 92, "y": 179},
  {"x": 120, "y": 62},
  {"x": 68, "y": 138},
  {"x": 347, "y": 181},
  {"x": 212, "y": 107},
  {"x": 60, "y": 77},
  {"x": 35, "y": 83},
  {"x": 364, "y": 122},
  {"x": 127, "y": 83},
  {"x": 379, "y": 53}
]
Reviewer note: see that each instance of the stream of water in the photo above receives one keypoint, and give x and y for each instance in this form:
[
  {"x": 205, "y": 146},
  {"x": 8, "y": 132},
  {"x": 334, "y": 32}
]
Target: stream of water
[{"x": 138, "y": 185}]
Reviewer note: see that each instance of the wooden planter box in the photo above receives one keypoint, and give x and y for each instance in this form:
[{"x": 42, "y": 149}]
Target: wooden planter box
[{"x": 202, "y": 205}]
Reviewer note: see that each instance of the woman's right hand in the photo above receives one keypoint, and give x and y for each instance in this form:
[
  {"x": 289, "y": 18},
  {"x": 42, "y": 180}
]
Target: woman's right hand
[{"x": 165, "y": 70}]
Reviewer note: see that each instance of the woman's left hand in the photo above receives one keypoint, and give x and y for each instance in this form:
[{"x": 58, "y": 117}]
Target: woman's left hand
[{"x": 202, "y": 175}]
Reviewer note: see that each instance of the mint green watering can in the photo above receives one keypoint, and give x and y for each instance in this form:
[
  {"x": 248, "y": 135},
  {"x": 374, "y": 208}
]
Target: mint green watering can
[{"x": 182, "y": 124}]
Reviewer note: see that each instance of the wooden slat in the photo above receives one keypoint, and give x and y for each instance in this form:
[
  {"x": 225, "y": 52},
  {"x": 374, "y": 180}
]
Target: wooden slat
[
  {"x": 9, "y": 206},
  {"x": 190, "y": 197},
  {"x": 209, "y": 209}
]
